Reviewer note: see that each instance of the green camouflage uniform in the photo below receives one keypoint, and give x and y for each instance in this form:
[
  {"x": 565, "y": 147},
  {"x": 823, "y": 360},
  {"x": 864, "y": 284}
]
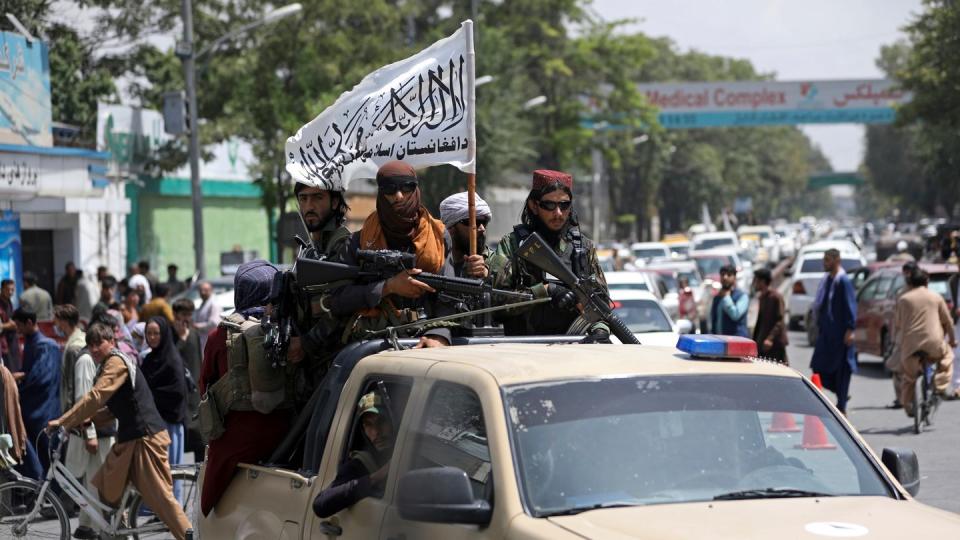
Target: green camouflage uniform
[{"x": 510, "y": 272}]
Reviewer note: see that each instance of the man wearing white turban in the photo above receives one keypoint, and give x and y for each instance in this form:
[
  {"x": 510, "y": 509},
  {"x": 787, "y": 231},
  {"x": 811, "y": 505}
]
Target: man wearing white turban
[{"x": 456, "y": 218}]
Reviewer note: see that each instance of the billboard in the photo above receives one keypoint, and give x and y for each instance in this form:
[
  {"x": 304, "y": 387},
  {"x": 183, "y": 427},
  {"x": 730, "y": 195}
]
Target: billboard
[
  {"x": 763, "y": 103},
  {"x": 11, "y": 256},
  {"x": 25, "y": 112}
]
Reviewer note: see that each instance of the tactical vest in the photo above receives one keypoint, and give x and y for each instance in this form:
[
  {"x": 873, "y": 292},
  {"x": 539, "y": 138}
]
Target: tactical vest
[
  {"x": 132, "y": 405},
  {"x": 251, "y": 383}
]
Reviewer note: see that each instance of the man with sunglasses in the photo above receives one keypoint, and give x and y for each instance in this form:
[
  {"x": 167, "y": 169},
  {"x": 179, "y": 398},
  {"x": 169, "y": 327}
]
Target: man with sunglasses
[
  {"x": 455, "y": 214},
  {"x": 400, "y": 223},
  {"x": 549, "y": 212}
]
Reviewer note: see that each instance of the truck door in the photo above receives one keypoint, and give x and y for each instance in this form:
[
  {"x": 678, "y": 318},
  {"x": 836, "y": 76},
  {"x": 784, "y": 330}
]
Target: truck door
[{"x": 348, "y": 448}]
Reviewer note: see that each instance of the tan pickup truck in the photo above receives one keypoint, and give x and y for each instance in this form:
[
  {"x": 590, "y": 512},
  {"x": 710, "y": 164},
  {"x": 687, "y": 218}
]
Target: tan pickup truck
[{"x": 561, "y": 440}]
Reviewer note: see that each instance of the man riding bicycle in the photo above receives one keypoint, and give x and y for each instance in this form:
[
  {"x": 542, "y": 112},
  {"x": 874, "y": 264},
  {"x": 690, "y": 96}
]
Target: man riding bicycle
[
  {"x": 923, "y": 326},
  {"x": 140, "y": 454}
]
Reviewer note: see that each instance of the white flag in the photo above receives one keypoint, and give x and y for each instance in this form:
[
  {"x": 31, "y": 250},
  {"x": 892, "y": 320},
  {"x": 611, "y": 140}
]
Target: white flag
[{"x": 419, "y": 110}]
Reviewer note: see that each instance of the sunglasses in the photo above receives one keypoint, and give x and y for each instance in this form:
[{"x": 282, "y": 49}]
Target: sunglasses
[
  {"x": 550, "y": 206},
  {"x": 481, "y": 222},
  {"x": 392, "y": 189}
]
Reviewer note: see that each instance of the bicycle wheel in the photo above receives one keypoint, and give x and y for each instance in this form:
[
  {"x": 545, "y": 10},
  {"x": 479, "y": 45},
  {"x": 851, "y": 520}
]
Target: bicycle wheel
[
  {"x": 918, "y": 412},
  {"x": 190, "y": 493},
  {"x": 17, "y": 500},
  {"x": 930, "y": 397}
]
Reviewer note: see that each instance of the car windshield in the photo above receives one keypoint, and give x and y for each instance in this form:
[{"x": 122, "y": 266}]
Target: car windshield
[
  {"x": 584, "y": 444},
  {"x": 635, "y": 286},
  {"x": 812, "y": 266},
  {"x": 642, "y": 316},
  {"x": 940, "y": 285},
  {"x": 680, "y": 250},
  {"x": 670, "y": 282},
  {"x": 763, "y": 235},
  {"x": 710, "y": 243},
  {"x": 711, "y": 265},
  {"x": 693, "y": 278},
  {"x": 649, "y": 253}
]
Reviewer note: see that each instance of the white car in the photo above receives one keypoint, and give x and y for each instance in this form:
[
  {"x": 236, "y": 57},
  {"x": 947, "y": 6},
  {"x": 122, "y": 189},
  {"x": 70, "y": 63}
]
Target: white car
[
  {"x": 804, "y": 281},
  {"x": 845, "y": 247},
  {"x": 715, "y": 240},
  {"x": 645, "y": 316},
  {"x": 787, "y": 239},
  {"x": 634, "y": 281},
  {"x": 768, "y": 240},
  {"x": 669, "y": 273},
  {"x": 644, "y": 252}
]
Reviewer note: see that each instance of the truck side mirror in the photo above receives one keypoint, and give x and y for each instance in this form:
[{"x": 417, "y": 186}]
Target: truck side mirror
[
  {"x": 441, "y": 495},
  {"x": 902, "y": 464}
]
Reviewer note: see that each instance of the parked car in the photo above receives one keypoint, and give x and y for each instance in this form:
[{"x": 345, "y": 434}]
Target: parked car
[
  {"x": 877, "y": 302},
  {"x": 644, "y": 252},
  {"x": 647, "y": 318},
  {"x": 670, "y": 272},
  {"x": 714, "y": 240},
  {"x": 636, "y": 281}
]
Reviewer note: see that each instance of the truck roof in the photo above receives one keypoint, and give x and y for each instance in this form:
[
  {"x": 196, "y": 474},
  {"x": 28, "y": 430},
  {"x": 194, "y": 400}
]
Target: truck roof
[{"x": 511, "y": 363}]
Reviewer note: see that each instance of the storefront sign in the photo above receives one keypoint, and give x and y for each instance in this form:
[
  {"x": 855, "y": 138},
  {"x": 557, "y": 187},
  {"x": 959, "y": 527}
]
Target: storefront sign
[
  {"x": 11, "y": 255},
  {"x": 19, "y": 174},
  {"x": 757, "y": 103},
  {"x": 25, "y": 112}
]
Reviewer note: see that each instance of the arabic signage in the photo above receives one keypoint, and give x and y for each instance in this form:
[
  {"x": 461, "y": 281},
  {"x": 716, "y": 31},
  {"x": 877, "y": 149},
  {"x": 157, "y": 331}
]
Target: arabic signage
[
  {"x": 133, "y": 136},
  {"x": 25, "y": 113},
  {"x": 758, "y": 103},
  {"x": 419, "y": 110},
  {"x": 11, "y": 255}
]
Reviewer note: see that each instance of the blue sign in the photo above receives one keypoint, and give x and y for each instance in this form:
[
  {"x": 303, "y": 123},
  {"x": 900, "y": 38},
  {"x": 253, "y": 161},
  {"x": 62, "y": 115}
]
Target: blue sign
[
  {"x": 25, "y": 112},
  {"x": 11, "y": 254},
  {"x": 775, "y": 118}
]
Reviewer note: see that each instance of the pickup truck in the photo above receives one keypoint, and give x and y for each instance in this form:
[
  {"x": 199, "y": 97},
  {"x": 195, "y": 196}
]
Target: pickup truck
[{"x": 543, "y": 438}]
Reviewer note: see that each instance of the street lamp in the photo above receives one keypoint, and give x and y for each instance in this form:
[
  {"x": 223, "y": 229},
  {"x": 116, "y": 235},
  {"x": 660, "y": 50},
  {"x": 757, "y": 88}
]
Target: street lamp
[
  {"x": 534, "y": 102},
  {"x": 189, "y": 57}
]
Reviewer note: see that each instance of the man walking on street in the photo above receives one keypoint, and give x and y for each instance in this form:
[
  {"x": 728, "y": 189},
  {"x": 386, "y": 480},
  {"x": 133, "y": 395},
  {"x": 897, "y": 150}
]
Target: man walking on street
[
  {"x": 35, "y": 299},
  {"x": 834, "y": 355},
  {"x": 770, "y": 333},
  {"x": 207, "y": 316},
  {"x": 923, "y": 326},
  {"x": 39, "y": 384},
  {"x": 728, "y": 314}
]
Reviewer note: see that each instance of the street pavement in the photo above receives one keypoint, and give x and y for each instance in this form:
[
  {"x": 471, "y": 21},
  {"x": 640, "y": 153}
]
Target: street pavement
[{"x": 937, "y": 448}]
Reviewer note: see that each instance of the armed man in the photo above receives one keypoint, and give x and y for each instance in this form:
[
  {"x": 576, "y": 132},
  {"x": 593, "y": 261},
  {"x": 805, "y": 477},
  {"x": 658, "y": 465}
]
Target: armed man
[
  {"x": 455, "y": 214},
  {"x": 548, "y": 212},
  {"x": 400, "y": 223}
]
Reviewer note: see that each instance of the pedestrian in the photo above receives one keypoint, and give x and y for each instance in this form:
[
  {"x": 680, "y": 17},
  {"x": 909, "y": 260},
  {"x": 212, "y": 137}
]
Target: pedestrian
[
  {"x": 401, "y": 223},
  {"x": 84, "y": 297},
  {"x": 687, "y": 302},
  {"x": 891, "y": 359},
  {"x": 9, "y": 340},
  {"x": 131, "y": 307},
  {"x": 548, "y": 211},
  {"x": 88, "y": 449},
  {"x": 67, "y": 286},
  {"x": 954, "y": 286},
  {"x": 36, "y": 299},
  {"x": 770, "y": 332},
  {"x": 454, "y": 212},
  {"x": 139, "y": 456},
  {"x": 188, "y": 345},
  {"x": 158, "y": 305},
  {"x": 108, "y": 291},
  {"x": 39, "y": 384},
  {"x": 165, "y": 373},
  {"x": 207, "y": 316},
  {"x": 728, "y": 312},
  {"x": 834, "y": 354},
  {"x": 140, "y": 284},
  {"x": 924, "y": 327},
  {"x": 174, "y": 285},
  {"x": 143, "y": 267},
  {"x": 102, "y": 272}
]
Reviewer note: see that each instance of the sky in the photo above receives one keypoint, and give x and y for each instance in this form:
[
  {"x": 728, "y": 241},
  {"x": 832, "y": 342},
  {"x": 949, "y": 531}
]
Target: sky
[{"x": 810, "y": 39}]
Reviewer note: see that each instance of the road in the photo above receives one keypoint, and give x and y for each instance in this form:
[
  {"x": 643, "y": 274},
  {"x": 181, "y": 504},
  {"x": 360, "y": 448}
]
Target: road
[{"x": 938, "y": 450}]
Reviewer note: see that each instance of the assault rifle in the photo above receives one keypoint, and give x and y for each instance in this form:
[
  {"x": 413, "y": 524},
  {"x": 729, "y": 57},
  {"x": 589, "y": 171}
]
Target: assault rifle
[
  {"x": 590, "y": 295},
  {"x": 378, "y": 265}
]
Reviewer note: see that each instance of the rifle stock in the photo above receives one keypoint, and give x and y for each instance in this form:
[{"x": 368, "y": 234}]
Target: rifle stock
[{"x": 595, "y": 306}]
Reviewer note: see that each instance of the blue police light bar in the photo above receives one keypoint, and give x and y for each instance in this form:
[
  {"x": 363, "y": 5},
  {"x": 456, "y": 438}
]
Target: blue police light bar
[{"x": 711, "y": 346}]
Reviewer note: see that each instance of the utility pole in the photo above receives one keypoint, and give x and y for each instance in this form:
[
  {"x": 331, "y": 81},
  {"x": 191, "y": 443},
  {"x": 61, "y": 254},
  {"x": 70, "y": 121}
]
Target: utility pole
[{"x": 188, "y": 56}]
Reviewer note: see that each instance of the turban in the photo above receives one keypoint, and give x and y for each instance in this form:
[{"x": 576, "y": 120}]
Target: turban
[
  {"x": 454, "y": 208},
  {"x": 252, "y": 284},
  {"x": 545, "y": 177},
  {"x": 140, "y": 280}
]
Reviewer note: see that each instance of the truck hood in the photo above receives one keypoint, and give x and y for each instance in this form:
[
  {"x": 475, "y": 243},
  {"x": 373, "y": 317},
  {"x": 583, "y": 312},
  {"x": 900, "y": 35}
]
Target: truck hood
[{"x": 800, "y": 518}]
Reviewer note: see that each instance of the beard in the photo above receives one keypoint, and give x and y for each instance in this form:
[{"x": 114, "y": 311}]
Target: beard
[{"x": 317, "y": 225}]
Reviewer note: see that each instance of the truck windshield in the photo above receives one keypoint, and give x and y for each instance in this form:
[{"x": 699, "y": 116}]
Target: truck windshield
[{"x": 586, "y": 444}]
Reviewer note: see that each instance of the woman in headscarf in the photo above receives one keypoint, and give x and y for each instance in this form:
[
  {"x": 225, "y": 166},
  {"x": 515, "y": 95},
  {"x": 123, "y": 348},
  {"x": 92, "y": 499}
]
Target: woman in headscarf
[
  {"x": 248, "y": 436},
  {"x": 164, "y": 371}
]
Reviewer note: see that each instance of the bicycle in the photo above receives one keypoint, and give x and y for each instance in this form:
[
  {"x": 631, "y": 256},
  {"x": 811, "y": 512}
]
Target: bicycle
[
  {"x": 925, "y": 398},
  {"x": 30, "y": 509}
]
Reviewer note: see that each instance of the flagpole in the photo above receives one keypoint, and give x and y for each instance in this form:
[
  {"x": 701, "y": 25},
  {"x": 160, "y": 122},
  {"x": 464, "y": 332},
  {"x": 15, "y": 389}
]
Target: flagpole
[{"x": 472, "y": 146}]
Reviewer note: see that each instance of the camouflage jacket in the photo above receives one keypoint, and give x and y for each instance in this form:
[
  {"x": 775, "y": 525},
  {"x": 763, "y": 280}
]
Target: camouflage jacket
[{"x": 509, "y": 271}]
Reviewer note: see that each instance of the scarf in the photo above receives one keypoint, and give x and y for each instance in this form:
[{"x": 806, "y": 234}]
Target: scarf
[{"x": 426, "y": 237}]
